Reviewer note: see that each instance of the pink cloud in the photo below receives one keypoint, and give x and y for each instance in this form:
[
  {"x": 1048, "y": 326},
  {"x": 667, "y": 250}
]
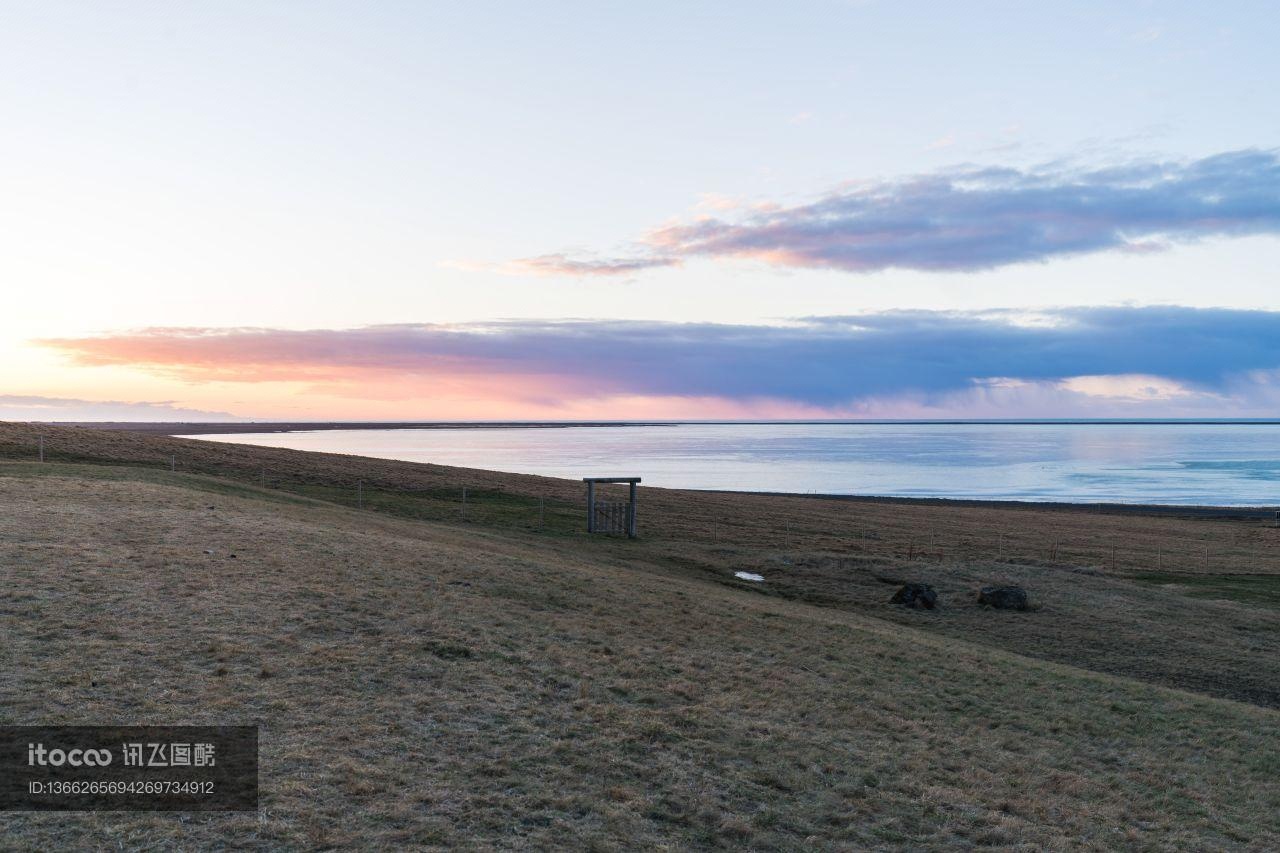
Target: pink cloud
[
  {"x": 1158, "y": 357},
  {"x": 970, "y": 218}
]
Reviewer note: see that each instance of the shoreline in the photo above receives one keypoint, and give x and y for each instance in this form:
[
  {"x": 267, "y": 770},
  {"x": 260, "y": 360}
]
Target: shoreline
[
  {"x": 1224, "y": 511},
  {"x": 182, "y": 428},
  {"x": 177, "y": 428}
]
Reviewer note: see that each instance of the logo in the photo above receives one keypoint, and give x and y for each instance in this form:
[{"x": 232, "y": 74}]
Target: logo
[{"x": 37, "y": 755}]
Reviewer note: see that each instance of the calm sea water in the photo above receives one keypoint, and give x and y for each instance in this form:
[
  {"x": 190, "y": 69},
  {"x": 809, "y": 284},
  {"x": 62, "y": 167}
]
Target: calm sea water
[{"x": 1218, "y": 464}]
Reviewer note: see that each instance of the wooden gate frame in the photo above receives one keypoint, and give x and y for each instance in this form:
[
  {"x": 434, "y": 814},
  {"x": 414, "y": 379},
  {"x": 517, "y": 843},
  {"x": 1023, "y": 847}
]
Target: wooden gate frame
[{"x": 591, "y": 501}]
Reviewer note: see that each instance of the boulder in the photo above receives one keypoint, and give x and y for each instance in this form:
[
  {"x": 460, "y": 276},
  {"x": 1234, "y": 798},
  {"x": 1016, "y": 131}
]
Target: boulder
[
  {"x": 916, "y": 595},
  {"x": 1003, "y": 597}
]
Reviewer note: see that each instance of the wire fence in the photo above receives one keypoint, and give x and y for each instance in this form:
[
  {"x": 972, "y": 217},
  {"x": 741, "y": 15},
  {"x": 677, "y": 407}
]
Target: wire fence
[{"x": 461, "y": 504}]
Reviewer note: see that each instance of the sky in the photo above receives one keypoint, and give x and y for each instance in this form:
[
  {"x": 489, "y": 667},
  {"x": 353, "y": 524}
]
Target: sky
[{"x": 477, "y": 210}]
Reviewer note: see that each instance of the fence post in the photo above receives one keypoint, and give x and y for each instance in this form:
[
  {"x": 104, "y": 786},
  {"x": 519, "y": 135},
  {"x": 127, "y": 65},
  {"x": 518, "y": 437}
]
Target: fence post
[
  {"x": 631, "y": 513},
  {"x": 591, "y": 507},
  {"x": 262, "y": 477},
  {"x": 173, "y": 463},
  {"x": 542, "y": 512},
  {"x": 360, "y": 494},
  {"x": 42, "y": 448}
]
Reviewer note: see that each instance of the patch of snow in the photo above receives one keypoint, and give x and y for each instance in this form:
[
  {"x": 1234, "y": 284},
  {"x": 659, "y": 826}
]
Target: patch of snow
[{"x": 748, "y": 576}]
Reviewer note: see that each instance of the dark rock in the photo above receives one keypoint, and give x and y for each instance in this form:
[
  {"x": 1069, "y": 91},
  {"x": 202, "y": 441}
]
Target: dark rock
[
  {"x": 916, "y": 595},
  {"x": 1003, "y": 597}
]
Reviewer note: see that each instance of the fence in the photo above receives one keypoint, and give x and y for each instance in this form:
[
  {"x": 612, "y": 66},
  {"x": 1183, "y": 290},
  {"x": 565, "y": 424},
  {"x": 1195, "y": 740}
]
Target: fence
[{"x": 470, "y": 504}]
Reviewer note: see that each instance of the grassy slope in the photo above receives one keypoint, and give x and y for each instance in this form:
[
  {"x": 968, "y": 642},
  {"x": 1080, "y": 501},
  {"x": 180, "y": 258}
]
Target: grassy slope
[
  {"x": 830, "y": 552},
  {"x": 428, "y": 683}
]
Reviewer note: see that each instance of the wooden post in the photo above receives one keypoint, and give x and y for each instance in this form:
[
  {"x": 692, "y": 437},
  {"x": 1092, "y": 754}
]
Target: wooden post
[
  {"x": 631, "y": 513},
  {"x": 42, "y": 448},
  {"x": 591, "y": 507},
  {"x": 542, "y": 512},
  {"x": 173, "y": 463},
  {"x": 360, "y": 494},
  {"x": 262, "y": 477}
]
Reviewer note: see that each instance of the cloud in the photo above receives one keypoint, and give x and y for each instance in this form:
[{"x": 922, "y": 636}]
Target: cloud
[
  {"x": 1128, "y": 388},
  {"x": 1152, "y": 355},
  {"x": 942, "y": 142},
  {"x": 564, "y": 265},
  {"x": 971, "y": 218},
  {"x": 17, "y": 407}
]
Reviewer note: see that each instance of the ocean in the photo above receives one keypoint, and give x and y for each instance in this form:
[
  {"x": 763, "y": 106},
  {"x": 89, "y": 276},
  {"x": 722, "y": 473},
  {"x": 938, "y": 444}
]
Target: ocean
[{"x": 1228, "y": 463}]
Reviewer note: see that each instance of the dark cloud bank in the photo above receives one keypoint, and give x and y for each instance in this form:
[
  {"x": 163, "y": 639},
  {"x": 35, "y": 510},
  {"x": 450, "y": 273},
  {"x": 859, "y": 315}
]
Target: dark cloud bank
[
  {"x": 978, "y": 218},
  {"x": 824, "y": 361}
]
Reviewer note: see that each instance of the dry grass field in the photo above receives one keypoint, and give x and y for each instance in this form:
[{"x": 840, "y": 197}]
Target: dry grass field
[{"x": 433, "y": 673}]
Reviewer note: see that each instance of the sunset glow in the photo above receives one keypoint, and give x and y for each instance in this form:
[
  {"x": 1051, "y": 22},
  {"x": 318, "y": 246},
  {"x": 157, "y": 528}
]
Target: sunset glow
[{"x": 215, "y": 211}]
